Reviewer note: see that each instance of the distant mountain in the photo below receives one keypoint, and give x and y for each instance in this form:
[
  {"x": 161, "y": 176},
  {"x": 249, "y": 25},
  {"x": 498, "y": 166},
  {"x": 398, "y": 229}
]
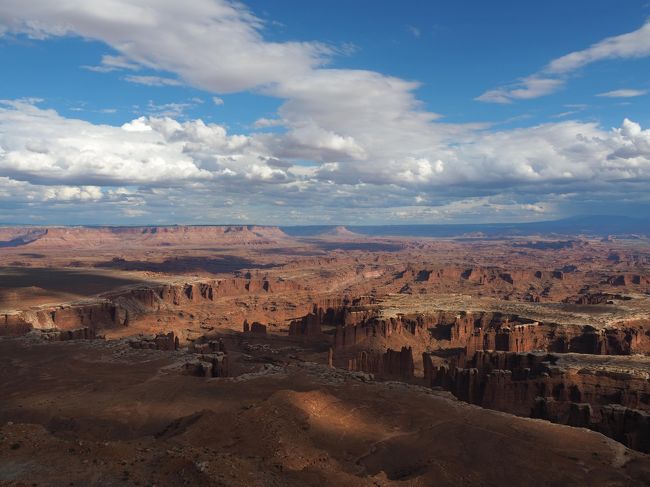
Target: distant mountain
[
  {"x": 339, "y": 231},
  {"x": 593, "y": 225},
  {"x": 91, "y": 237}
]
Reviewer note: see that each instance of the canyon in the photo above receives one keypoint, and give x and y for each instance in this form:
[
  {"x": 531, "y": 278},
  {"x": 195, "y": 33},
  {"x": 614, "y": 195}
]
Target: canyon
[{"x": 239, "y": 355}]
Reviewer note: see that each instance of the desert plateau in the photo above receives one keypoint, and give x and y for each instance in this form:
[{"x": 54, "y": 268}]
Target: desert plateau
[{"x": 242, "y": 355}]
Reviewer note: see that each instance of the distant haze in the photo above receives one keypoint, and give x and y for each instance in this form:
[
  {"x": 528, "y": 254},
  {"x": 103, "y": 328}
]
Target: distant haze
[{"x": 596, "y": 225}]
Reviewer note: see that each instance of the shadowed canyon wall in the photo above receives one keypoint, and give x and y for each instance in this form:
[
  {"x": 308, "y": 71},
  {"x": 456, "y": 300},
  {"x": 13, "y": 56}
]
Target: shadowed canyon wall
[{"x": 539, "y": 385}]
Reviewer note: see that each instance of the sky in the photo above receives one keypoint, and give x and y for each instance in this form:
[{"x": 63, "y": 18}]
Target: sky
[{"x": 341, "y": 112}]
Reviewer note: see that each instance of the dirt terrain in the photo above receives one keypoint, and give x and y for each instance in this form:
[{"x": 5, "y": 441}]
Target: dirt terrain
[{"x": 244, "y": 356}]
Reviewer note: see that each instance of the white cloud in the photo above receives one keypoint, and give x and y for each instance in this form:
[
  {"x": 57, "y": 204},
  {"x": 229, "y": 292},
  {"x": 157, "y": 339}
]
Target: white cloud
[
  {"x": 113, "y": 63},
  {"x": 218, "y": 46},
  {"x": 137, "y": 125},
  {"x": 632, "y": 45},
  {"x": 152, "y": 80},
  {"x": 261, "y": 123},
  {"x": 536, "y": 159},
  {"x": 215, "y": 45},
  {"x": 11, "y": 189},
  {"x": 624, "y": 93},
  {"x": 217, "y": 101},
  {"x": 41, "y": 147},
  {"x": 73, "y": 193},
  {"x": 527, "y": 88},
  {"x": 352, "y": 139}
]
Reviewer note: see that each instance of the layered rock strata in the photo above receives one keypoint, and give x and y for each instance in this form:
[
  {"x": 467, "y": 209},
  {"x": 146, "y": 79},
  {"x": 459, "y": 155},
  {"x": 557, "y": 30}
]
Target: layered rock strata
[{"x": 538, "y": 385}]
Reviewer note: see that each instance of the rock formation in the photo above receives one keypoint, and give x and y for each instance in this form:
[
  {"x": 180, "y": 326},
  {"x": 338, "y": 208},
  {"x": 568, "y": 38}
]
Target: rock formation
[
  {"x": 258, "y": 328},
  {"x": 539, "y": 385},
  {"x": 161, "y": 341},
  {"x": 389, "y": 364},
  {"x": 13, "y": 325}
]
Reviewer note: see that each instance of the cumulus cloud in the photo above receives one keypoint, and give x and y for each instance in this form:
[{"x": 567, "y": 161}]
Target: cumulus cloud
[
  {"x": 194, "y": 166},
  {"x": 73, "y": 193},
  {"x": 41, "y": 146},
  {"x": 215, "y": 45},
  {"x": 632, "y": 45},
  {"x": 11, "y": 189},
  {"x": 353, "y": 142},
  {"x": 218, "y": 46},
  {"x": 536, "y": 159}
]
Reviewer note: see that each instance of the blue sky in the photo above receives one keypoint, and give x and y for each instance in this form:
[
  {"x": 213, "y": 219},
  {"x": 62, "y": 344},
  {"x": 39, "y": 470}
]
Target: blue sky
[{"x": 292, "y": 112}]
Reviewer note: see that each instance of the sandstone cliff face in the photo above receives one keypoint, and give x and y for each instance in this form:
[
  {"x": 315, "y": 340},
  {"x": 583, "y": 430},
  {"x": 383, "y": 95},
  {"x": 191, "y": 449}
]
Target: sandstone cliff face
[
  {"x": 527, "y": 384},
  {"x": 389, "y": 364},
  {"x": 633, "y": 280},
  {"x": 210, "y": 290},
  {"x": 492, "y": 331},
  {"x": 116, "y": 309},
  {"x": 487, "y": 359},
  {"x": 13, "y": 325},
  {"x": 75, "y": 324},
  {"x": 96, "y": 315},
  {"x": 355, "y": 334},
  {"x": 332, "y": 312},
  {"x": 630, "y": 427},
  {"x": 308, "y": 325},
  {"x": 482, "y": 331}
]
